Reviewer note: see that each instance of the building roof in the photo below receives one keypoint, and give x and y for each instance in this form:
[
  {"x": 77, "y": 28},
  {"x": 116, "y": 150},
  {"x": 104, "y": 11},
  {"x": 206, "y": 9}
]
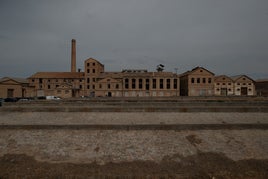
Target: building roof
[
  {"x": 262, "y": 80},
  {"x": 222, "y": 76},
  {"x": 18, "y": 80},
  {"x": 194, "y": 69},
  {"x": 128, "y": 74},
  {"x": 237, "y": 77},
  {"x": 58, "y": 75}
]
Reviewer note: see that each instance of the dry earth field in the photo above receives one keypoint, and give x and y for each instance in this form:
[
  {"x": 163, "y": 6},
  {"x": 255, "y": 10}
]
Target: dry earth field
[{"x": 133, "y": 145}]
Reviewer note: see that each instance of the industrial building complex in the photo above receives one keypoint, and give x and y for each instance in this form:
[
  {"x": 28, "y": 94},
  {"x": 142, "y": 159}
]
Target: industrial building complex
[{"x": 94, "y": 81}]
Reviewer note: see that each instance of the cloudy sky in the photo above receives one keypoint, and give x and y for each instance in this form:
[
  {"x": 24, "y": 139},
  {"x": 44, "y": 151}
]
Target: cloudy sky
[{"x": 225, "y": 36}]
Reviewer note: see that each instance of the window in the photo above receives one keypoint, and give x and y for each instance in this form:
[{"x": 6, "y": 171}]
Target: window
[
  {"x": 140, "y": 83},
  {"x": 249, "y": 84},
  {"x": 93, "y": 64},
  {"x": 161, "y": 83},
  {"x": 48, "y": 80},
  {"x": 154, "y": 83},
  {"x": 192, "y": 80},
  {"x": 133, "y": 83},
  {"x": 94, "y": 79},
  {"x": 229, "y": 84},
  {"x": 88, "y": 64},
  {"x": 168, "y": 83},
  {"x": 218, "y": 83},
  {"x": 117, "y": 86},
  {"x": 223, "y": 78},
  {"x": 32, "y": 80},
  {"x": 93, "y": 86},
  {"x": 147, "y": 85},
  {"x": 238, "y": 83},
  {"x": 204, "y": 80},
  {"x": 88, "y": 71},
  {"x": 88, "y": 80},
  {"x": 223, "y": 83},
  {"x": 79, "y": 80},
  {"x": 209, "y": 80},
  {"x": 93, "y": 71},
  {"x": 126, "y": 83},
  {"x": 201, "y": 71},
  {"x": 57, "y": 86},
  {"x": 229, "y": 89},
  {"x": 198, "y": 80},
  {"x": 249, "y": 89},
  {"x": 108, "y": 86},
  {"x": 87, "y": 86},
  {"x": 244, "y": 83},
  {"x": 175, "y": 83},
  {"x": 48, "y": 86},
  {"x": 80, "y": 86},
  {"x": 40, "y": 80},
  {"x": 238, "y": 89}
]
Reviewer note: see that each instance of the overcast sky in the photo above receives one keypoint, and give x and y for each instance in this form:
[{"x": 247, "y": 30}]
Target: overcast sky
[{"x": 225, "y": 36}]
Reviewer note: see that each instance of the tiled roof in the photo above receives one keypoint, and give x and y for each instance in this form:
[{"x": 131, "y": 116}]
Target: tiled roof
[
  {"x": 19, "y": 80},
  {"x": 58, "y": 75}
]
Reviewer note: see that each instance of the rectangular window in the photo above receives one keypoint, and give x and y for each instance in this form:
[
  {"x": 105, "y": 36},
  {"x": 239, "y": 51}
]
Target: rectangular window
[
  {"x": 209, "y": 80},
  {"x": 108, "y": 86},
  {"x": 168, "y": 83},
  {"x": 94, "y": 79},
  {"x": 198, "y": 80},
  {"x": 147, "y": 85},
  {"x": 161, "y": 83},
  {"x": 93, "y": 71},
  {"x": 88, "y": 80},
  {"x": 140, "y": 83},
  {"x": 93, "y": 64},
  {"x": 133, "y": 83},
  {"x": 93, "y": 86},
  {"x": 204, "y": 80},
  {"x": 87, "y": 86},
  {"x": 175, "y": 83},
  {"x": 40, "y": 80},
  {"x": 88, "y": 71},
  {"x": 154, "y": 83},
  {"x": 100, "y": 86},
  {"x": 32, "y": 80},
  {"x": 117, "y": 86},
  {"x": 126, "y": 83},
  {"x": 80, "y": 86},
  {"x": 88, "y": 64},
  {"x": 192, "y": 80},
  {"x": 48, "y": 86}
]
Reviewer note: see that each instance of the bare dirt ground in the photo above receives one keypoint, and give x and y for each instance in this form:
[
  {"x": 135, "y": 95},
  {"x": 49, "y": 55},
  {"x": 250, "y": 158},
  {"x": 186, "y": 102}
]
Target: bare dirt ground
[{"x": 201, "y": 165}]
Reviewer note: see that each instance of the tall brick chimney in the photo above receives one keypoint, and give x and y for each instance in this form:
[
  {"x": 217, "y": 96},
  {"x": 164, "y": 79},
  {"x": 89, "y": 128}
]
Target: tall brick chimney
[{"x": 73, "y": 62}]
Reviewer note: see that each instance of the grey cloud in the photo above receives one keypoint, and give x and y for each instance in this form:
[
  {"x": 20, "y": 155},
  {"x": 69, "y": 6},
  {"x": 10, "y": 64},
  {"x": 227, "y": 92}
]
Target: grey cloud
[{"x": 225, "y": 36}]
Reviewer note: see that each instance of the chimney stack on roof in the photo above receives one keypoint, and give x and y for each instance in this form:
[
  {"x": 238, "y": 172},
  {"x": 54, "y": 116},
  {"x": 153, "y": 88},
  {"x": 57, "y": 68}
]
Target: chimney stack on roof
[{"x": 73, "y": 57}]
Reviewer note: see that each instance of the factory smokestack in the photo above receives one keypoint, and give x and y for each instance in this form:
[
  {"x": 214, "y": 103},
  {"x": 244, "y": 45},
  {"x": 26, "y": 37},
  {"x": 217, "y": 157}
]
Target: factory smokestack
[{"x": 73, "y": 60}]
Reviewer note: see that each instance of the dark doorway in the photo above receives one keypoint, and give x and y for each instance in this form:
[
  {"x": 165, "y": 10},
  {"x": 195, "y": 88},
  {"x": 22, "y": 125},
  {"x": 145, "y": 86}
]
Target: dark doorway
[
  {"x": 244, "y": 91},
  {"x": 223, "y": 91},
  {"x": 109, "y": 94}
]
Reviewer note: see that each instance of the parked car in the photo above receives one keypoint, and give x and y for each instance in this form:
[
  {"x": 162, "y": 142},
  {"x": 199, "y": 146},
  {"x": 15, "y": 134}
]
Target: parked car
[{"x": 11, "y": 100}]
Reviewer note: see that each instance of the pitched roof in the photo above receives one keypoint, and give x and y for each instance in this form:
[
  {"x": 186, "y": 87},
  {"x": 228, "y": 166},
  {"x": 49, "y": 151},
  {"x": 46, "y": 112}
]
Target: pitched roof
[
  {"x": 237, "y": 77},
  {"x": 18, "y": 80},
  {"x": 222, "y": 76},
  {"x": 58, "y": 75},
  {"x": 194, "y": 69}
]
